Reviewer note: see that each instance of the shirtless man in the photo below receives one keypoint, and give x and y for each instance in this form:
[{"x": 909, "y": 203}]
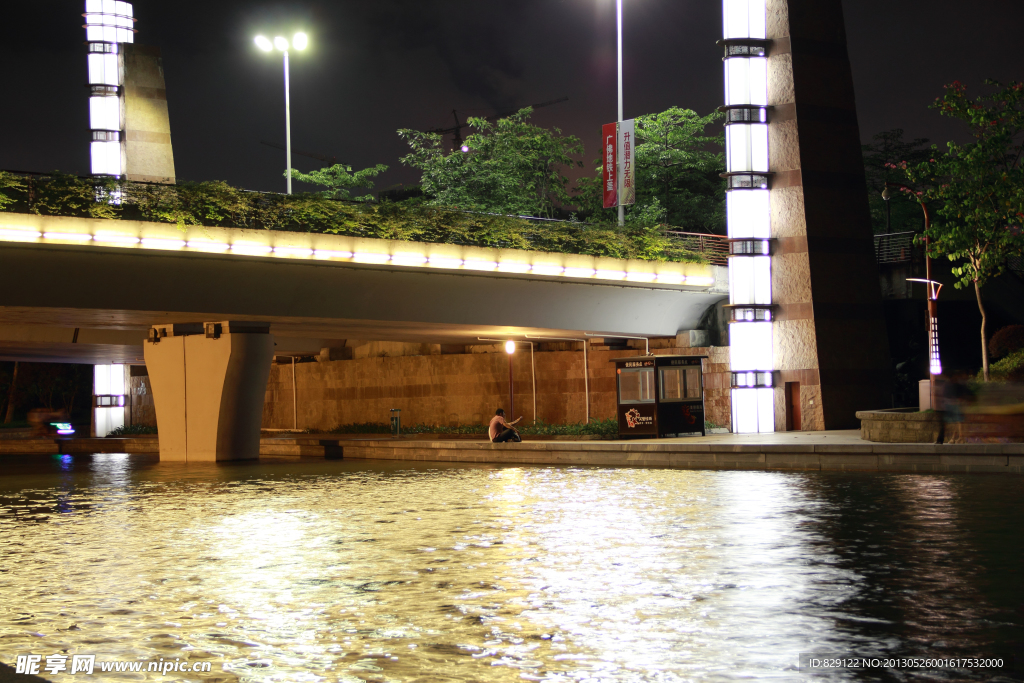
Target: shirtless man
[{"x": 500, "y": 431}]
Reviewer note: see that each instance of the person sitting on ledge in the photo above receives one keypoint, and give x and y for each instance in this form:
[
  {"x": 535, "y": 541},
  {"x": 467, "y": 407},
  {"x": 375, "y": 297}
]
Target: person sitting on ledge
[{"x": 500, "y": 431}]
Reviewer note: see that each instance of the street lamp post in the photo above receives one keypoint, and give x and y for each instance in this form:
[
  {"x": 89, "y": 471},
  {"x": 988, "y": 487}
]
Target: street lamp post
[
  {"x": 932, "y": 289},
  {"x": 621, "y": 188},
  {"x": 299, "y": 42},
  {"x": 510, "y": 348}
]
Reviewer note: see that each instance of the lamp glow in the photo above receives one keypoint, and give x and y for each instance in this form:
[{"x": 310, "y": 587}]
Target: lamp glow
[
  {"x": 510, "y": 347},
  {"x": 366, "y": 257},
  {"x": 207, "y": 246},
  {"x": 408, "y": 259},
  {"x": 327, "y": 253},
  {"x": 641, "y": 277},
  {"x": 442, "y": 262},
  {"x": 263, "y": 43},
  {"x": 250, "y": 248},
  {"x": 157, "y": 243},
  {"x": 546, "y": 269},
  {"x": 580, "y": 272},
  {"x": 115, "y": 238},
  {"x": 300, "y": 41},
  {"x": 17, "y": 235},
  {"x": 68, "y": 236},
  {"x": 281, "y": 43},
  {"x": 293, "y": 252},
  {"x": 513, "y": 267},
  {"x": 480, "y": 265},
  {"x": 610, "y": 274}
]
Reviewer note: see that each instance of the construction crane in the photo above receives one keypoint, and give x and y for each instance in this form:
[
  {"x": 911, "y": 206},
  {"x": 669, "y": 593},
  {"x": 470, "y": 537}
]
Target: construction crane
[
  {"x": 330, "y": 161},
  {"x": 459, "y": 125}
]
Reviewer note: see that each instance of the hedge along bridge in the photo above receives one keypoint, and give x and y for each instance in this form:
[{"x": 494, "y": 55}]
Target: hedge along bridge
[{"x": 90, "y": 290}]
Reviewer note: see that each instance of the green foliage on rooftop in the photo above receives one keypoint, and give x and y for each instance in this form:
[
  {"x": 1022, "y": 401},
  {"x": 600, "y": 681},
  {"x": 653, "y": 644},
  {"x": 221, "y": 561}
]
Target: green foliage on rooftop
[{"x": 216, "y": 203}]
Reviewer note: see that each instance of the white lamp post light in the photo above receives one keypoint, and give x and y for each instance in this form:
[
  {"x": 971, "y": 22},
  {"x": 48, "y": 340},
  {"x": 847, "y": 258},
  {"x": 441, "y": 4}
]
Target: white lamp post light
[
  {"x": 300, "y": 41},
  {"x": 748, "y": 212}
]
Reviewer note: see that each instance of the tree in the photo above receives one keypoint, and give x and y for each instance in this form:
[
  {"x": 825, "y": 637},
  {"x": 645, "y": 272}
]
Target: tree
[
  {"x": 882, "y": 159},
  {"x": 340, "y": 180},
  {"x": 678, "y": 167},
  {"x": 512, "y": 167},
  {"x": 979, "y": 188}
]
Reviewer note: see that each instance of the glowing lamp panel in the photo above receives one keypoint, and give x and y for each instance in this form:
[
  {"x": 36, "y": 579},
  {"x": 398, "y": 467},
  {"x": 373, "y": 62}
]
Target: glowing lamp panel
[
  {"x": 109, "y": 21},
  {"x": 746, "y": 81},
  {"x": 746, "y": 147},
  {"x": 749, "y": 214},
  {"x": 753, "y": 411},
  {"x": 750, "y": 280},
  {"x": 105, "y": 113},
  {"x": 744, "y": 19},
  {"x": 106, "y": 158},
  {"x": 103, "y": 69},
  {"x": 750, "y": 346}
]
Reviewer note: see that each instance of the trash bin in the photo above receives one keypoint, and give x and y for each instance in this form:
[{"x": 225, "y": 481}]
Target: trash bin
[{"x": 396, "y": 422}]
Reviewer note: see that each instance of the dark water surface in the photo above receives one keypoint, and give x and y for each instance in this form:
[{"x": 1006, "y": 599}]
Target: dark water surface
[{"x": 370, "y": 571}]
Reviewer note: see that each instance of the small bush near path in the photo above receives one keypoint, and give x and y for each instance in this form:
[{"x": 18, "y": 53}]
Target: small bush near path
[
  {"x": 1009, "y": 369},
  {"x": 132, "y": 430}
]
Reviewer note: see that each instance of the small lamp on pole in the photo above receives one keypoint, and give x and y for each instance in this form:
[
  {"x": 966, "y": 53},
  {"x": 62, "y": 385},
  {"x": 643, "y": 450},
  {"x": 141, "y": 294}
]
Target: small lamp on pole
[{"x": 300, "y": 41}]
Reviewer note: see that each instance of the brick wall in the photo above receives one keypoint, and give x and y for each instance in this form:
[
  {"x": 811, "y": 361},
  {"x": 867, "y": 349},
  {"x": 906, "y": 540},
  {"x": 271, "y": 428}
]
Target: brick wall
[{"x": 464, "y": 389}]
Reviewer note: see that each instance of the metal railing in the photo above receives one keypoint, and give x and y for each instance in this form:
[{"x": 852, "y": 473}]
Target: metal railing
[
  {"x": 714, "y": 247},
  {"x": 896, "y": 247}
]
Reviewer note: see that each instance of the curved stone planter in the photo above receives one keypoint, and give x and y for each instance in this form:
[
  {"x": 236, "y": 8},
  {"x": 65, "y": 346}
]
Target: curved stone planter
[{"x": 900, "y": 425}]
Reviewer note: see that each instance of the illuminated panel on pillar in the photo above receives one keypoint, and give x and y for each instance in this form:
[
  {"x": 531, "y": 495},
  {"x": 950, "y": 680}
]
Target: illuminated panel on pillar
[
  {"x": 105, "y": 113},
  {"x": 750, "y": 280},
  {"x": 744, "y": 19},
  {"x": 748, "y": 212},
  {"x": 106, "y": 158},
  {"x": 746, "y": 81},
  {"x": 108, "y": 24},
  {"x": 746, "y": 147},
  {"x": 750, "y": 346}
]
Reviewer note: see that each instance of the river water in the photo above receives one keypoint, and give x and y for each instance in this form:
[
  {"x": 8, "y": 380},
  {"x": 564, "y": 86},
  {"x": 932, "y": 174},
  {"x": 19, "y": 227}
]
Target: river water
[{"x": 370, "y": 571}]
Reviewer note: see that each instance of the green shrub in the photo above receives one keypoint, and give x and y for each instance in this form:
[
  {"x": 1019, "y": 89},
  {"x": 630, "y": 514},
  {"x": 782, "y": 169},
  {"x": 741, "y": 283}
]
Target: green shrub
[
  {"x": 1009, "y": 369},
  {"x": 133, "y": 430}
]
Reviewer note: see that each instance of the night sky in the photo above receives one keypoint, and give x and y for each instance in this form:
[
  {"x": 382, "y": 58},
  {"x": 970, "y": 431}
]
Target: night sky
[{"x": 378, "y": 65}]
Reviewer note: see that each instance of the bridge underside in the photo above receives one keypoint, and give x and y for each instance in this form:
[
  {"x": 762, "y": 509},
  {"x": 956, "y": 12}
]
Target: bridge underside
[{"x": 64, "y": 303}]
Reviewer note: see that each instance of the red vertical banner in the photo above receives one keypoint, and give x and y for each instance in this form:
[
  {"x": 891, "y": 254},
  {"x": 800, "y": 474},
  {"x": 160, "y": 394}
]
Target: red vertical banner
[
  {"x": 611, "y": 177},
  {"x": 627, "y": 136}
]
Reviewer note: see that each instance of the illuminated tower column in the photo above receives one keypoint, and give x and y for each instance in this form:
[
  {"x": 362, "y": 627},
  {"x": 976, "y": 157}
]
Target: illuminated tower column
[
  {"x": 748, "y": 207},
  {"x": 108, "y": 26}
]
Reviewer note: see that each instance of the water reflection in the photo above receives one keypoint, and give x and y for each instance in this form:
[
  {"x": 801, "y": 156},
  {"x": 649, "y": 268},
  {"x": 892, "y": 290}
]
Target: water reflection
[{"x": 390, "y": 572}]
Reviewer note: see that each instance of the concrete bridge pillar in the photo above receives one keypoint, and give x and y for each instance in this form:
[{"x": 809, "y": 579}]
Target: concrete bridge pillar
[{"x": 209, "y": 383}]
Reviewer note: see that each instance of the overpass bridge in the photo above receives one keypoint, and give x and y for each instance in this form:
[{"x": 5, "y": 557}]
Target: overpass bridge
[{"x": 88, "y": 290}]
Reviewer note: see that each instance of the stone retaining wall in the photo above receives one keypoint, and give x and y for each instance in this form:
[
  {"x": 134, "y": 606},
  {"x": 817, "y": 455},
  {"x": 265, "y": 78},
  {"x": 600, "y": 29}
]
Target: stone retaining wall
[
  {"x": 900, "y": 425},
  {"x": 465, "y": 389}
]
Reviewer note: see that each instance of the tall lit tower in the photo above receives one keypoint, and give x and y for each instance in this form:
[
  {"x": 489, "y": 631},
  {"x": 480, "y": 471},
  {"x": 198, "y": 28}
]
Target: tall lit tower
[
  {"x": 108, "y": 25},
  {"x": 128, "y": 120},
  {"x": 748, "y": 208}
]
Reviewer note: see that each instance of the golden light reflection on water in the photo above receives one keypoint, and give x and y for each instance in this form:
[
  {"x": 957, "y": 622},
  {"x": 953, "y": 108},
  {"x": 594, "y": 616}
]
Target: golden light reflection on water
[{"x": 376, "y": 572}]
